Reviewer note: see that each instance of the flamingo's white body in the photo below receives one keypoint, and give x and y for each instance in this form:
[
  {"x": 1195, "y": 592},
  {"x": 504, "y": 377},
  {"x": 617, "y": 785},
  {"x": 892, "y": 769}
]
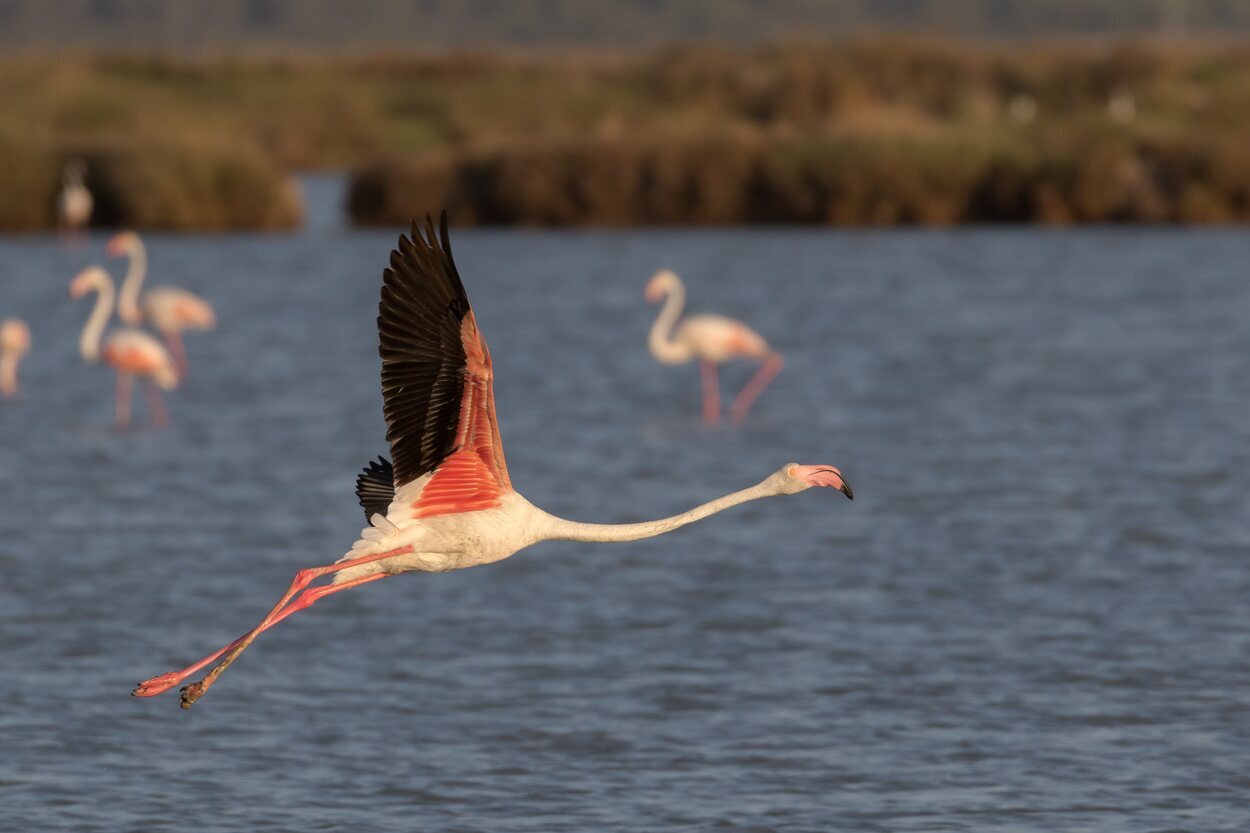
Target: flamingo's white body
[
  {"x": 447, "y": 502},
  {"x": 458, "y": 540},
  {"x": 14, "y": 345},
  {"x": 130, "y": 352},
  {"x": 169, "y": 310},
  {"x": 74, "y": 205},
  {"x": 710, "y": 340}
]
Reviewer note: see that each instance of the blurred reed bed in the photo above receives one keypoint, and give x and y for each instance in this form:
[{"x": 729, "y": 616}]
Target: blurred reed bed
[
  {"x": 820, "y": 180},
  {"x": 880, "y": 130},
  {"x": 148, "y": 182}
]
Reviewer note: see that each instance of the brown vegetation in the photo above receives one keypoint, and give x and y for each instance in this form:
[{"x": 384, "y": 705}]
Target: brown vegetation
[
  {"x": 149, "y": 186},
  {"x": 818, "y": 181},
  {"x": 165, "y": 186},
  {"x": 870, "y": 131}
]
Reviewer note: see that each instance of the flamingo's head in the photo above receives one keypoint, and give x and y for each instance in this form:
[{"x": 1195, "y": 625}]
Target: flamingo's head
[
  {"x": 14, "y": 336},
  {"x": 662, "y": 283},
  {"x": 91, "y": 279},
  {"x": 794, "y": 478},
  {"x": 121, "y": 244}
]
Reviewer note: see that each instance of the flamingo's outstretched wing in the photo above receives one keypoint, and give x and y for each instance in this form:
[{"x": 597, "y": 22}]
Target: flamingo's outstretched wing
[
  {"x": 437, "y": 390},
  {"x": 375, "y": 487}
]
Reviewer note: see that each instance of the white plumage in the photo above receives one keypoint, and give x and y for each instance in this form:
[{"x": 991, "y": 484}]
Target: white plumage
[{"x": 448, "y": 497}]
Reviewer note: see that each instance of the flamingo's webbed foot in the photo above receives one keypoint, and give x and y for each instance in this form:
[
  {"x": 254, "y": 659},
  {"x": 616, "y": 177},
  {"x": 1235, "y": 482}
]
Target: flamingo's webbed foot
[
  {"x": 157, "y": 685},
  {"x": 191, "y": 693}
]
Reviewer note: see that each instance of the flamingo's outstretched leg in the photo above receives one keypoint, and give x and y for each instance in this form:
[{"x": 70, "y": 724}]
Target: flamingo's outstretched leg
[
  {"x": 711, "y": 394},
  {"x": 303, "y": 578},
  {"x": 9, "y": 388},
  {"x": 178, "y": 351},
  {"x": 160, "y": 415},
  {"x": 125, "y": 391},
  {"x": 314, "y": 594},
  {"x": 156, "y": 685},
  {"x": 768, "y": 371}
]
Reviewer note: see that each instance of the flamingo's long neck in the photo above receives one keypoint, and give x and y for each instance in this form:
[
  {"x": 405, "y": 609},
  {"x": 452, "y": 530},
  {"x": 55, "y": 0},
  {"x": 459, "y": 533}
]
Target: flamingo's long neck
[
  {"x": 659, "y": 340},
  {"x": 128, "y": 301},
  {"x": 561, "y": 530},
  {"x": 89, "y": 343}
]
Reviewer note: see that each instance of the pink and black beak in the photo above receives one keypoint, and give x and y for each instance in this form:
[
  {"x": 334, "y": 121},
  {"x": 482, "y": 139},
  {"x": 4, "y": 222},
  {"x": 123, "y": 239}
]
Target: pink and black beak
[
  {"x": 825, "y": 476},
  {"x": 841, "y": 485}
]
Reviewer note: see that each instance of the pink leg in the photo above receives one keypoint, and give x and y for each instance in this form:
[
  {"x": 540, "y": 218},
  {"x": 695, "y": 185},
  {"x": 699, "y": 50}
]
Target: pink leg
[
  {"x": 124, "y": 392},
  {"x": 157, "y": 685},
  {"x": 303, "y": 578},
  {"x": 314, "y": 594},
  {"x": 711, "y": 395},
  {"x": 768, "y": 371},
  {"x": 160, "y": 416},
  {"x": 173, "y": 340}
]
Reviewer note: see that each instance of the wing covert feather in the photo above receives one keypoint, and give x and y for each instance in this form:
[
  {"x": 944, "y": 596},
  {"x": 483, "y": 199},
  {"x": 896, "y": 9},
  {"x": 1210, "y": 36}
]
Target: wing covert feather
[{"x": 437, "y": 387}]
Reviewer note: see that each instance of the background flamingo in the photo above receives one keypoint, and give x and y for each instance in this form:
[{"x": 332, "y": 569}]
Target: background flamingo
[
  {"x": 74, "y": 205},
  {"x": 447, "y": 501},
  {"x": 168, "y": 309},
  {"x": 130, "y": 352},
  {"x": 711, "y": 340},
  {"x": 14, "y": 344}
]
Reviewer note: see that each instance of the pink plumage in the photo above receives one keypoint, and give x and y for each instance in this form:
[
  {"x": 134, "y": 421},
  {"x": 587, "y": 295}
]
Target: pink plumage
[
  {"x": 14, "y": 345},
  {"x": 446, "y": 501},
  {"x": 710, "y": 340},
  {"x": 169, "y": 310},
  {"x": 131, "y": 352}
]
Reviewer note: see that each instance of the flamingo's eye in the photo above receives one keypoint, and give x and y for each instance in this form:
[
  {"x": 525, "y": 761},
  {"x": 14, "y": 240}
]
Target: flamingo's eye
[{"x": 793, "y": 471}]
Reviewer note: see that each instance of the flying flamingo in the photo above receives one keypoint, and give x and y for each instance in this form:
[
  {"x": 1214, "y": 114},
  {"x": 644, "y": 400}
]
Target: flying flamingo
[
  {"x": 131, "y": 352},
  {"x": 446, "y": 502},
  {"x": 712, "y": 340},
  {"x": 73, "y": 206},
  {"x": 168, "y": 309},
  {"x": 14, "y": 344}
]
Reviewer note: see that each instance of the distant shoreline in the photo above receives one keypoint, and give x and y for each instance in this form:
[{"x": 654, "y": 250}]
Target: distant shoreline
[
  {"x": 382, "y": 24},
  {"x": 872, "y": 131}
]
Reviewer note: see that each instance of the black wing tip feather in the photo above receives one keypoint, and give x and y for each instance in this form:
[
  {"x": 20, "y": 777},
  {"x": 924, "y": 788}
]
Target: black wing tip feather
[
  {"x": 422, "y": 263},
  {"x": 375, "y": 487},
  {"x": 426, "y": 240},
  {"x": 419, "y": 317},
  {"x": 430, "y": 237}
]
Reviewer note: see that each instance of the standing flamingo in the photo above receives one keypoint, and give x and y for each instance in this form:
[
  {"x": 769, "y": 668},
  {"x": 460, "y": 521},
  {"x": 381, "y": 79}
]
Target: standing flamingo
[
  {"x": 14, "y": 344},
  {"x": 710, "y": 339},
  {"x": 446, "y": 502},
  {"x": 168, "y": 309},
  {"x": 73, "y": 206},
  {"x": 131, "y": 352}
]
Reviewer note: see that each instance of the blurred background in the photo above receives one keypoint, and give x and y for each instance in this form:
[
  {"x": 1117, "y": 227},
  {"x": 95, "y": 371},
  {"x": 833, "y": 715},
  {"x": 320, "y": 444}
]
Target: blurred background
[
  {"x": 193, "y": 115},
  {"x": 1000, "y": 243}
]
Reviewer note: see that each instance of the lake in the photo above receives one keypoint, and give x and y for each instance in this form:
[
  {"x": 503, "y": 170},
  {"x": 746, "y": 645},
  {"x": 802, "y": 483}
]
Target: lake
[{"x": 1034, "y": 615}]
